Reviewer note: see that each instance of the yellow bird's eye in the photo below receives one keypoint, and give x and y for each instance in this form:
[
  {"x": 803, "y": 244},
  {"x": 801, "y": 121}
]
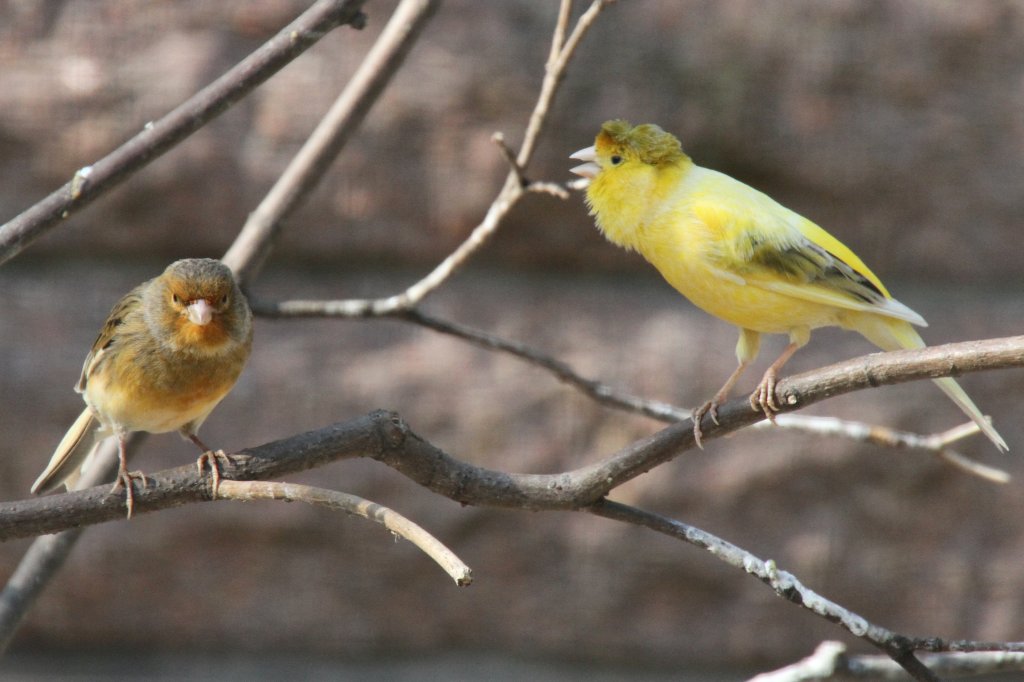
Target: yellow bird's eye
[{"x": 616, "y": 160}]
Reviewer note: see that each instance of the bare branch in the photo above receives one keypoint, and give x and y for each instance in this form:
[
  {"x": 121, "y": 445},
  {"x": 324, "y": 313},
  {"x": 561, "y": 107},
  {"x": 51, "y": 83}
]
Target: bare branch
[
  {"x": 384, "y": 437},
  {"x": 937, "y": 444},
  {"x": 156, "y": 138},
  {"x": 596, "y": 390},
  {"x": 784, "y": 584},
  {"x": 554, "y": 72},
  {"x": 827, "y": 660},
  {"x": 257, "y": 237},
  {"x": 830, "y": 662},
  {"x": 607, "y": 395},
  {"x": 357, "y": 506},
  {"x": 511, "y": 192},
  {"x": 510, "y": 158}
]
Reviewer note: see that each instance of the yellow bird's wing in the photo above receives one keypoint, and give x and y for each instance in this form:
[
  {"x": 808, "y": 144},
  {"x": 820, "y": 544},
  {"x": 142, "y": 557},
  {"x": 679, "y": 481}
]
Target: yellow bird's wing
[{"x": 769, "y": 246}]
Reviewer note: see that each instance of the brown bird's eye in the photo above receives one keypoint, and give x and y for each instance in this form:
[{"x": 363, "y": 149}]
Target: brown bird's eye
[
  {"x": 616, "y": 160},
  {"x": 176, "y": 298},
  {"x": 224, "y": 299}
]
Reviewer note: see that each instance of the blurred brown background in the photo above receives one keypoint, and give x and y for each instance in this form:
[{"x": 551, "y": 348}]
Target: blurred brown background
[{"x": 898, "y": 126}]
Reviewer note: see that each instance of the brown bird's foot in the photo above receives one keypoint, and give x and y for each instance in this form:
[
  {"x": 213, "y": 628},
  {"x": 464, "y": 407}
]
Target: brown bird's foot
[
  {"x": 124, "y": 478},
  {"x": 214, "y": 459},
  {"x": 763, "y": 398},
  {"x": 710, "y": 407}
]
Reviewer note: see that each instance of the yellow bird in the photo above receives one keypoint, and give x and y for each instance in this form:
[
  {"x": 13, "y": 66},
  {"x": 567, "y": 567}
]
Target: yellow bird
[
  {"x": 170, "y": 350},
  {"x": 740, "y": 256}
]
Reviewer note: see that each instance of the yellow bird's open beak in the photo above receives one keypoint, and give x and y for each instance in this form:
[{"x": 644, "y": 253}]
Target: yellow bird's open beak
[{"x": 589, "y": 169}]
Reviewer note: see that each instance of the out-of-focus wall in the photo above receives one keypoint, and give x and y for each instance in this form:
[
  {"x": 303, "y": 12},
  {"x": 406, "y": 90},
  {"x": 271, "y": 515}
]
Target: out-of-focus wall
[{"x": 896, "y": 125}]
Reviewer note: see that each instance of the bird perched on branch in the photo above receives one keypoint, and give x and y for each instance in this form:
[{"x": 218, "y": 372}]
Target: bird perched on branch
[
  {"x": 740, "y": 256},
  {"x": 169, "y": 351}
]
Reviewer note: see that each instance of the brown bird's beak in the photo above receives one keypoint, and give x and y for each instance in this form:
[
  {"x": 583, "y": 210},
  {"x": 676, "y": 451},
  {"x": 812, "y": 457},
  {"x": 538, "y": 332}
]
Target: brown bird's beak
[
  {"x": 589, "y": 169},
  {"x": 200, "y": 312}
]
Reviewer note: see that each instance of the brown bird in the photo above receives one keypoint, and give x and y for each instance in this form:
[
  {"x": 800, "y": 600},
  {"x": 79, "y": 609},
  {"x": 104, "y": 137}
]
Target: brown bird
[{"x": 170, "y": 350}]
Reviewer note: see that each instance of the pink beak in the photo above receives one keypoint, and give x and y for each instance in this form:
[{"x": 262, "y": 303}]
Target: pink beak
[{"x": 200, "y": 312}]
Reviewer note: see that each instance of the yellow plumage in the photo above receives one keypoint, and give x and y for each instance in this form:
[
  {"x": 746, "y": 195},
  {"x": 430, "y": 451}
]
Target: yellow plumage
[{"x": 740, "y": 256}]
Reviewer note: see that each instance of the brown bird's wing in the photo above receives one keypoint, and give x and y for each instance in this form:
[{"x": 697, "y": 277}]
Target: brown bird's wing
[
  {"x": 74, "y": 449},
  {"x": 72, "y": 452},
  {"x": 129, "y": 304}
]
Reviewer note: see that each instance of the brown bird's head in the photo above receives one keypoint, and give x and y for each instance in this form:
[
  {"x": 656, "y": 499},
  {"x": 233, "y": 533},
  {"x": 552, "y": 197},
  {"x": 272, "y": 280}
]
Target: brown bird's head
[{"x": 198, "y": 304}]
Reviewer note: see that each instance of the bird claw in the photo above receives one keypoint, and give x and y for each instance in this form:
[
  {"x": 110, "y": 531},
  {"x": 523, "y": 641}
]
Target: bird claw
[
  {"x": 213, "y": 459},
  {"x": 124, "y": 478},
  {"x": 710, "y": 407},
  {"x": 763, "y": 399}
]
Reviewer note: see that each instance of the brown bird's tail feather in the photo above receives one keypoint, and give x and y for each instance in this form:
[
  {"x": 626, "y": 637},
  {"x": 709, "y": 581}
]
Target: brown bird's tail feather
[{"x": 70, "y": 457}]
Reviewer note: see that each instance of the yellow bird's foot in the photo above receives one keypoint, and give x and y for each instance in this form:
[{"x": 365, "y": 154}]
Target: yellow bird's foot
[
  {"x": 124, "y": 478},
  {"x": 710, "y": 407},
  {"x": 763, "y": 398},
  {"x": 213, "y": 459}
]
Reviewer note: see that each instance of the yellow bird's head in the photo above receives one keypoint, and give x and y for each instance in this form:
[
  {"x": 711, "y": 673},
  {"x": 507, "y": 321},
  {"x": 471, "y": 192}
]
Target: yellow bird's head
[
  {"x": 626, "y": 172},
  {"x": 620, "y": 145}
]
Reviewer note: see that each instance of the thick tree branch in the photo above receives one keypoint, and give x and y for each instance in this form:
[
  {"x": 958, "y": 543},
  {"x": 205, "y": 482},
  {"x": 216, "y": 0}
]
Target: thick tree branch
[
  {"x": 385, "y": 437},
  {"x": 156, "y": 138}
]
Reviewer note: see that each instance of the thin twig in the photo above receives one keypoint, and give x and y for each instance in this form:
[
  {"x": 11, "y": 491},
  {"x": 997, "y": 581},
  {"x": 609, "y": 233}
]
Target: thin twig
[
  {"x": 498, "y": 139},
  {"x": 598, "y": 391},
  {"x": 307, "y": 168},
  {"x": 93, "y": 181},
  {"x": 604, "y": 394},
  {"x": 357, "y": 506},
  {"x": 511, "y": 192},
  {"x": 560, "y": 56},
  {"x": 784, "y": 584},
  {"x": 937, "y": 444},
  {"x": 828, "y": 659},
  {"x": 831, "y": 662}
]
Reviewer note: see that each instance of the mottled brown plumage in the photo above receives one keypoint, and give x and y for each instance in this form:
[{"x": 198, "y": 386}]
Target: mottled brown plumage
[{"x": 167, "y": 354}]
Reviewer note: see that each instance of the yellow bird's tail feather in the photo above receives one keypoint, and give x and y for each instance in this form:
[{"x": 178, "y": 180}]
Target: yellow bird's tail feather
[
  {"x": 70, "y": 457},
  {"x": 893, "y": 334}
]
